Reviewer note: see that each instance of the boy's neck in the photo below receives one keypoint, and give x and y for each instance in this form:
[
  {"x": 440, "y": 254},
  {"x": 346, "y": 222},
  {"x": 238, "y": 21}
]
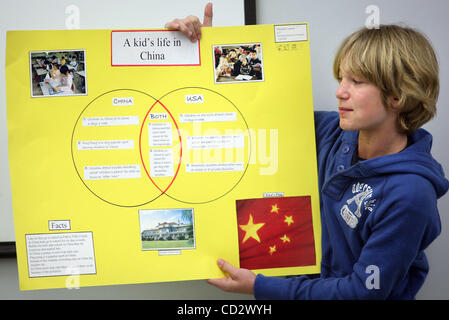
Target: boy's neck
[{"x": 373, "y": 145}]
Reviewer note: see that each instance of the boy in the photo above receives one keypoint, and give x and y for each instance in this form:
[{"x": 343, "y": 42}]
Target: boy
[{"x": 379, "y": 184}]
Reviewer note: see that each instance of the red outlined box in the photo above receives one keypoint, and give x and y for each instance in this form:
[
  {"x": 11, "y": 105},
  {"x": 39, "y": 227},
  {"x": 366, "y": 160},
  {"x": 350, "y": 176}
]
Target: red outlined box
[{"x": 151, "y": 64}]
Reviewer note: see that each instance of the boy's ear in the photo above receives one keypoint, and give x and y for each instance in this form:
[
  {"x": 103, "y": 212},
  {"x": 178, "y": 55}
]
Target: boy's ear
[{"x": 393, "y": 102}]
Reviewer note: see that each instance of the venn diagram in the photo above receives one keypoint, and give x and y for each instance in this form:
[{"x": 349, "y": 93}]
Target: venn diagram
[{"x": 130, "y": 148}]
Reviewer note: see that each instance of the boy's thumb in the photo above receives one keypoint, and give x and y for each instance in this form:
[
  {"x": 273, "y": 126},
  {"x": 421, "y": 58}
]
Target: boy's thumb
[{"x": 226, "y": 267}]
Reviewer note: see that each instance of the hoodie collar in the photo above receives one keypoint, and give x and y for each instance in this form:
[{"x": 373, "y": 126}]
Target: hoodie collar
[{"x": 415, "y": 159}]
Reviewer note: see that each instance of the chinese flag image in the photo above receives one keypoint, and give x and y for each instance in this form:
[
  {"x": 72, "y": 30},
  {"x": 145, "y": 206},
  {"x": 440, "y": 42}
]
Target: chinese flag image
[{"x": 275, "y": 232}]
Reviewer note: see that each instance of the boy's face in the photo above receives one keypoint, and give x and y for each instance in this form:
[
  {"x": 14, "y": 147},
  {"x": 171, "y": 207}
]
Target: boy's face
[{"x": 360, "y": 105}]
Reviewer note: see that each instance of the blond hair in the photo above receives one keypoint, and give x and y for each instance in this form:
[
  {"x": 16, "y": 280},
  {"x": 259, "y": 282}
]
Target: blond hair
[{"x": 401, "y": 62}]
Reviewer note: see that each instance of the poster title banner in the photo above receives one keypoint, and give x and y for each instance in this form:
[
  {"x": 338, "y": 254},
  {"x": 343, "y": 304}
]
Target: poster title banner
[{"x": 153, "y": 48}]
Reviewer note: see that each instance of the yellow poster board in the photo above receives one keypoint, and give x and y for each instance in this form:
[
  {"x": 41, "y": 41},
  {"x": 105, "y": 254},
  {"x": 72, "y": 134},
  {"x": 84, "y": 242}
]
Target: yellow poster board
[{"x": 138, "y": 156}]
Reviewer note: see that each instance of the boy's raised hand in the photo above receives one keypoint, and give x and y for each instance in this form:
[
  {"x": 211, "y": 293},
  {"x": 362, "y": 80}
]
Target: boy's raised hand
[{"x": 191, "y": 25}]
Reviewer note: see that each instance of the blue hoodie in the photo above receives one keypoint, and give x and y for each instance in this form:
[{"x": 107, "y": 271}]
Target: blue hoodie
[{"x": 377, "y": 218}]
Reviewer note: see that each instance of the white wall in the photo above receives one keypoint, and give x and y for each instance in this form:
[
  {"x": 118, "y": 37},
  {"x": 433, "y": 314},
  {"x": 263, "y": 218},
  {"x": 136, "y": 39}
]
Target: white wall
[{"x": 330, "y": 22}]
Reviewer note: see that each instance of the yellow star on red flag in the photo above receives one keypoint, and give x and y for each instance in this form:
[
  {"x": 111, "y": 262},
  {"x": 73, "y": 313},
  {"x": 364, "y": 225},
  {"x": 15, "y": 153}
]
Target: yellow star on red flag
[
  {"x": 285, "y": 239},
  {"x": 274, "y": 208},
  {"x": 251, "y": 229},
  {"x": 289, "y": 220},
  {"x": 272, "y": 250}
]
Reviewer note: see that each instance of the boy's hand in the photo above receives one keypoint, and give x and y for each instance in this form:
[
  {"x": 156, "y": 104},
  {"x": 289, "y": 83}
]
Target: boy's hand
[
  {"x": 191, "y": 25},
  {"x": 238, "y": 281}
]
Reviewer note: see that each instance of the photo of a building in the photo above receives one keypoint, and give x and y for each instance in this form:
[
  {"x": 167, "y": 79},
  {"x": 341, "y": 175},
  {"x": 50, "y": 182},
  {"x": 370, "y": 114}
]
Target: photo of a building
[{"x": 165, "y": 229}]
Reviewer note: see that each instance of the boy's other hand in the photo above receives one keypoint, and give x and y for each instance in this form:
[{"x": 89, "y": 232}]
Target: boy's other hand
[
  {"x": 191, "y": 25},
  {"x": 239, "y": 280}
]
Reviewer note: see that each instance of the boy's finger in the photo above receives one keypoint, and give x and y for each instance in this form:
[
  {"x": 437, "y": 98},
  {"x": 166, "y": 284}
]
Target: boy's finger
[
  {"x": 186, "y": 30},
  {"x": 197, "y": 30},
  {"x": 193, "y": 24},
  {"x": 208, "y": 15},
  {"x": 172, "y": 24},
  {"x": 224, "y": 284},
  {"x": 227, "y": 267},
  {"x": 215, "y": 282}
]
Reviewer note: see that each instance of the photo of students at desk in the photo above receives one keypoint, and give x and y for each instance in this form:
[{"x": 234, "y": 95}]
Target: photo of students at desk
[
  {"x": 58, "y": 73},
  {"x": 237, "y": 63}
]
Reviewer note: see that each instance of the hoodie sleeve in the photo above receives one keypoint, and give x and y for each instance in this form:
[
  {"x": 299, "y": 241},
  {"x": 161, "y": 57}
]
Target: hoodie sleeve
[
  {"x": 327, "y": 127},
  {"x": 391, "y": 264}
]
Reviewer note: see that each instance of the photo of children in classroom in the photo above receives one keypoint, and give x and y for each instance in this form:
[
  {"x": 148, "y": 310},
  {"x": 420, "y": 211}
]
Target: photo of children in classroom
[
  {"x": 58, "y": 73},
  {"x": 238, "y": 63}
]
